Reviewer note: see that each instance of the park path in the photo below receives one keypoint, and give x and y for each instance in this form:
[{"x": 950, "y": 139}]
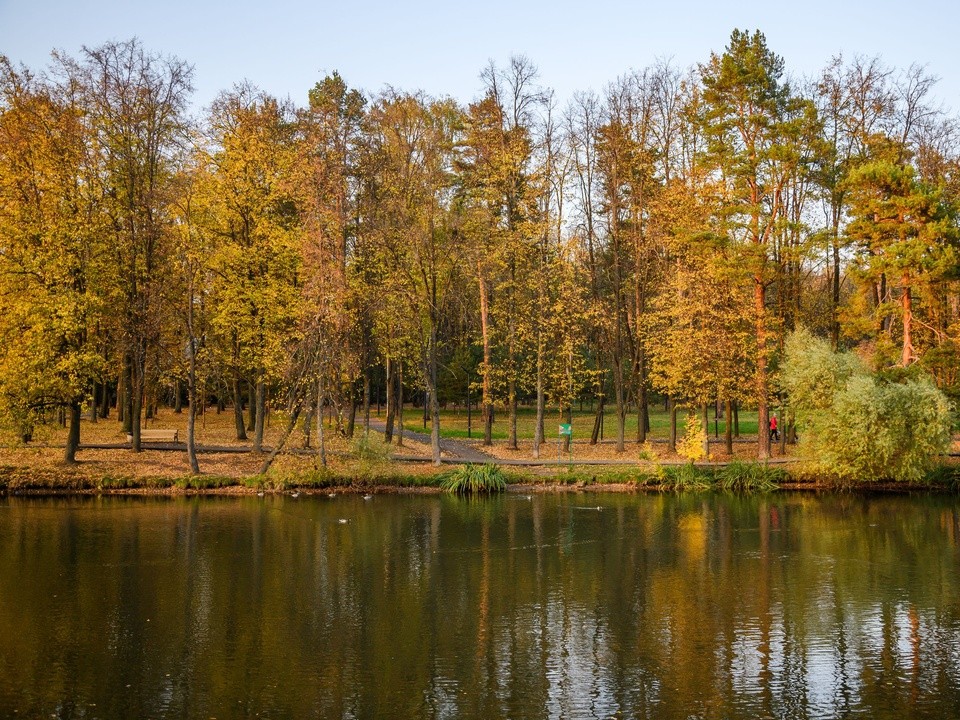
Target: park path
[{"x": 457, "y": 452}]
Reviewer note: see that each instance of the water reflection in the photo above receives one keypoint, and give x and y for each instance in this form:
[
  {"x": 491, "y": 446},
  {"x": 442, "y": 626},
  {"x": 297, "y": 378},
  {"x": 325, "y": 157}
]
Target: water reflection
[{"x": 566, "y": 606}]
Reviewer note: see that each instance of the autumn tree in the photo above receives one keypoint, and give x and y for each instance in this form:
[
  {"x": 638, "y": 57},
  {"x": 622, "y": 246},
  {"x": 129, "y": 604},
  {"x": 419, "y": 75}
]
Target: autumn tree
[
  {"x": 501, "y": 189},
  {"x": 255, "y": 254},
  {"x": 754, "y": 126},
  {"x": 137, "y": 103},
  {"x": 415, "y": 226},
  {"x": 337, "y": 291},
  {"x": 53, "y": 258}
]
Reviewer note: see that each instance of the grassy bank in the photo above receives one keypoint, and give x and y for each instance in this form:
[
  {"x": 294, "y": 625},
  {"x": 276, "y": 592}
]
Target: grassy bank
[{"x": 388, "y": 477}]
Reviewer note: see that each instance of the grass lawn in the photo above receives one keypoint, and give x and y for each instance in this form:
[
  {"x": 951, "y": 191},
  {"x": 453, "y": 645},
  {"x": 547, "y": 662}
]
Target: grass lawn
[{"x": 454, "y": 423}]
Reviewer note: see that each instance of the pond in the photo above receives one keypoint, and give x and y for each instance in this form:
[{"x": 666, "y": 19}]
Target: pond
[{"x": 543, "y": 606}]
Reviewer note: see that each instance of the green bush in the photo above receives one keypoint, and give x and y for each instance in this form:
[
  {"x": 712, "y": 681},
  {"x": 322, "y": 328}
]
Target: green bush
[
  {"x": 470, "y": 479},
  {"x": 858, "y": 426},
  {"x": 813, "y": 373}
]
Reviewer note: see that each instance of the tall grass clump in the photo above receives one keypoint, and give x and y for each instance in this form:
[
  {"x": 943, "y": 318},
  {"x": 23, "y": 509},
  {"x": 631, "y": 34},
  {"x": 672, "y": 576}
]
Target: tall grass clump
[
  {"x": 371, "y": 449},
  {"x": 685, "y": 477},
  {"x": 473, "y": 479},
  {"x": 749, "y": 477}
]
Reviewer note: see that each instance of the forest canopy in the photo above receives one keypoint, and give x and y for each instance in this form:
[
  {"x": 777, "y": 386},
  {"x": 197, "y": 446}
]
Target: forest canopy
[{"x": 659, "y": 238}]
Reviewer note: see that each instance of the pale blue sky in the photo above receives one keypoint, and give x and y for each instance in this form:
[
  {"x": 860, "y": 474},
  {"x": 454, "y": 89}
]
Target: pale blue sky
[{"x": 440, "y": 47}]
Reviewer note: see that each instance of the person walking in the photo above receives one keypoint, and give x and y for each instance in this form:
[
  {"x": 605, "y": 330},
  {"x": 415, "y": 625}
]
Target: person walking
[{"x": 774, "y": 432}]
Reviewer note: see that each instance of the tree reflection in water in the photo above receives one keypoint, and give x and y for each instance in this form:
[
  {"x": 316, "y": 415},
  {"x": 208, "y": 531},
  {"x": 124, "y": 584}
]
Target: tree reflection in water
[{"x": 789, "y": 605}]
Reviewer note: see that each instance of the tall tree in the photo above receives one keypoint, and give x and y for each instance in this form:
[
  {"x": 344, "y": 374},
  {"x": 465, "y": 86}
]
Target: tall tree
[
  {"x": 328, "y": 190},
  {"x": 53, "y": 266},
  {"x": 754, "y": 125},
  {"x": 906, "y": 230},
  {"x": 413, "y": 143},
  {"x": 137, "y": 103},
  {"x": 502, "y": 188},
  {"x": 255, "y": 256}
]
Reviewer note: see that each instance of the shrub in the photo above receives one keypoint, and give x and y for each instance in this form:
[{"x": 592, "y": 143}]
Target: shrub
[
  {"x": 691, "y": 444},
  {"x": 858, "y": 426},
  {"x": 469, "y": 479},
  {"x": 813, "y": 373},
  {"x": 648, "y": 453}
]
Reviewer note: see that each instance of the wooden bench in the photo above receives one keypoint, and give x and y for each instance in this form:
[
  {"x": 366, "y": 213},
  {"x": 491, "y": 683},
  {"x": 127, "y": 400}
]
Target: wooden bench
[{"x": 156, "y": 435}]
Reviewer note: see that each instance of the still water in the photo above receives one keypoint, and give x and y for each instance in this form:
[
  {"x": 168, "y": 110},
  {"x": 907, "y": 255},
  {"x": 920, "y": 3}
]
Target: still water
[{"x": 550, "y": 606}]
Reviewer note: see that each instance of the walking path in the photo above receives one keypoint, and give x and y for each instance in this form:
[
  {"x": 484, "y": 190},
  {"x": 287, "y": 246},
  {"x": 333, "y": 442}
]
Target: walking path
[{"x": 457, "y": 452}]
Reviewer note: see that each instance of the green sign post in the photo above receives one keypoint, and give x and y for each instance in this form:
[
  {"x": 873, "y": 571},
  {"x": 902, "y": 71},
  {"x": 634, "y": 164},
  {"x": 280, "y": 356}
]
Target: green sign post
[{"x": 566, "y": 431}]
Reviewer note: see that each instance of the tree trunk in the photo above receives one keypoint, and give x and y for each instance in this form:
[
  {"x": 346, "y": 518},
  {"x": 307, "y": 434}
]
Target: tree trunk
[
  {"x": 906, "y": 302},
  {"x": 434, "y": 402},
  {"x": 400, "y": 404},
  {"x": 391, "y": 403},
  {"x": 178, "y": 398},
  {"x": 127, "y": 388},
  {"x": 728, "y": 426},
  {"x": 598, "y": 420},
  {"x": 541, "y": 402},
  {"x": 351, "y": 422},
  {"x": 366, "y": 400},
  {"x": 643, "y": 401},
  {"x": 135, "y": 411},
  {"x": 105, "y": 400},
  {"x": 238, "y": 410},
  {"x": 192, "y": 415},
  {"x": 705, "y": 427},
  {"x": 73, "y": 434},
  {"x": 321, "y": 440},
  {"x": 487, "y": 399},
  {"x": 763, "y": 411},
  {"x": 251, "y": 406},
  {"x": 835, "y": 295},
  {"x": 512, "y": 401},
  {"x": 94, "y": 405},
  {"x": 672, "y": 442},
  {"x": 261, "y": 406},
  {"x": 621, "y": 405}
]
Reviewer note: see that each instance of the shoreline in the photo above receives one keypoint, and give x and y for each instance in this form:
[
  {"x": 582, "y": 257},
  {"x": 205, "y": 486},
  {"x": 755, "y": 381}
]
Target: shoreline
[{"x": 227, "y": 487}]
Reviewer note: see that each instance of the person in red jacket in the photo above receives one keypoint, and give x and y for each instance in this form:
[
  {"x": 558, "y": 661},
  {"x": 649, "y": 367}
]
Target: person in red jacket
[{"x": 774, "y": 432}]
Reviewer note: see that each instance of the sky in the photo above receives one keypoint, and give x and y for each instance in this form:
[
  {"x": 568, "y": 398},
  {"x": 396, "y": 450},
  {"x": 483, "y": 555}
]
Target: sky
[{"x": 286, "y": 46}]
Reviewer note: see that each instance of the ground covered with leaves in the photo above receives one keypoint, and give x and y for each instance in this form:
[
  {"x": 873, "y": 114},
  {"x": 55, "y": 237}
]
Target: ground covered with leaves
[{"x": 361, "y": 463}]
